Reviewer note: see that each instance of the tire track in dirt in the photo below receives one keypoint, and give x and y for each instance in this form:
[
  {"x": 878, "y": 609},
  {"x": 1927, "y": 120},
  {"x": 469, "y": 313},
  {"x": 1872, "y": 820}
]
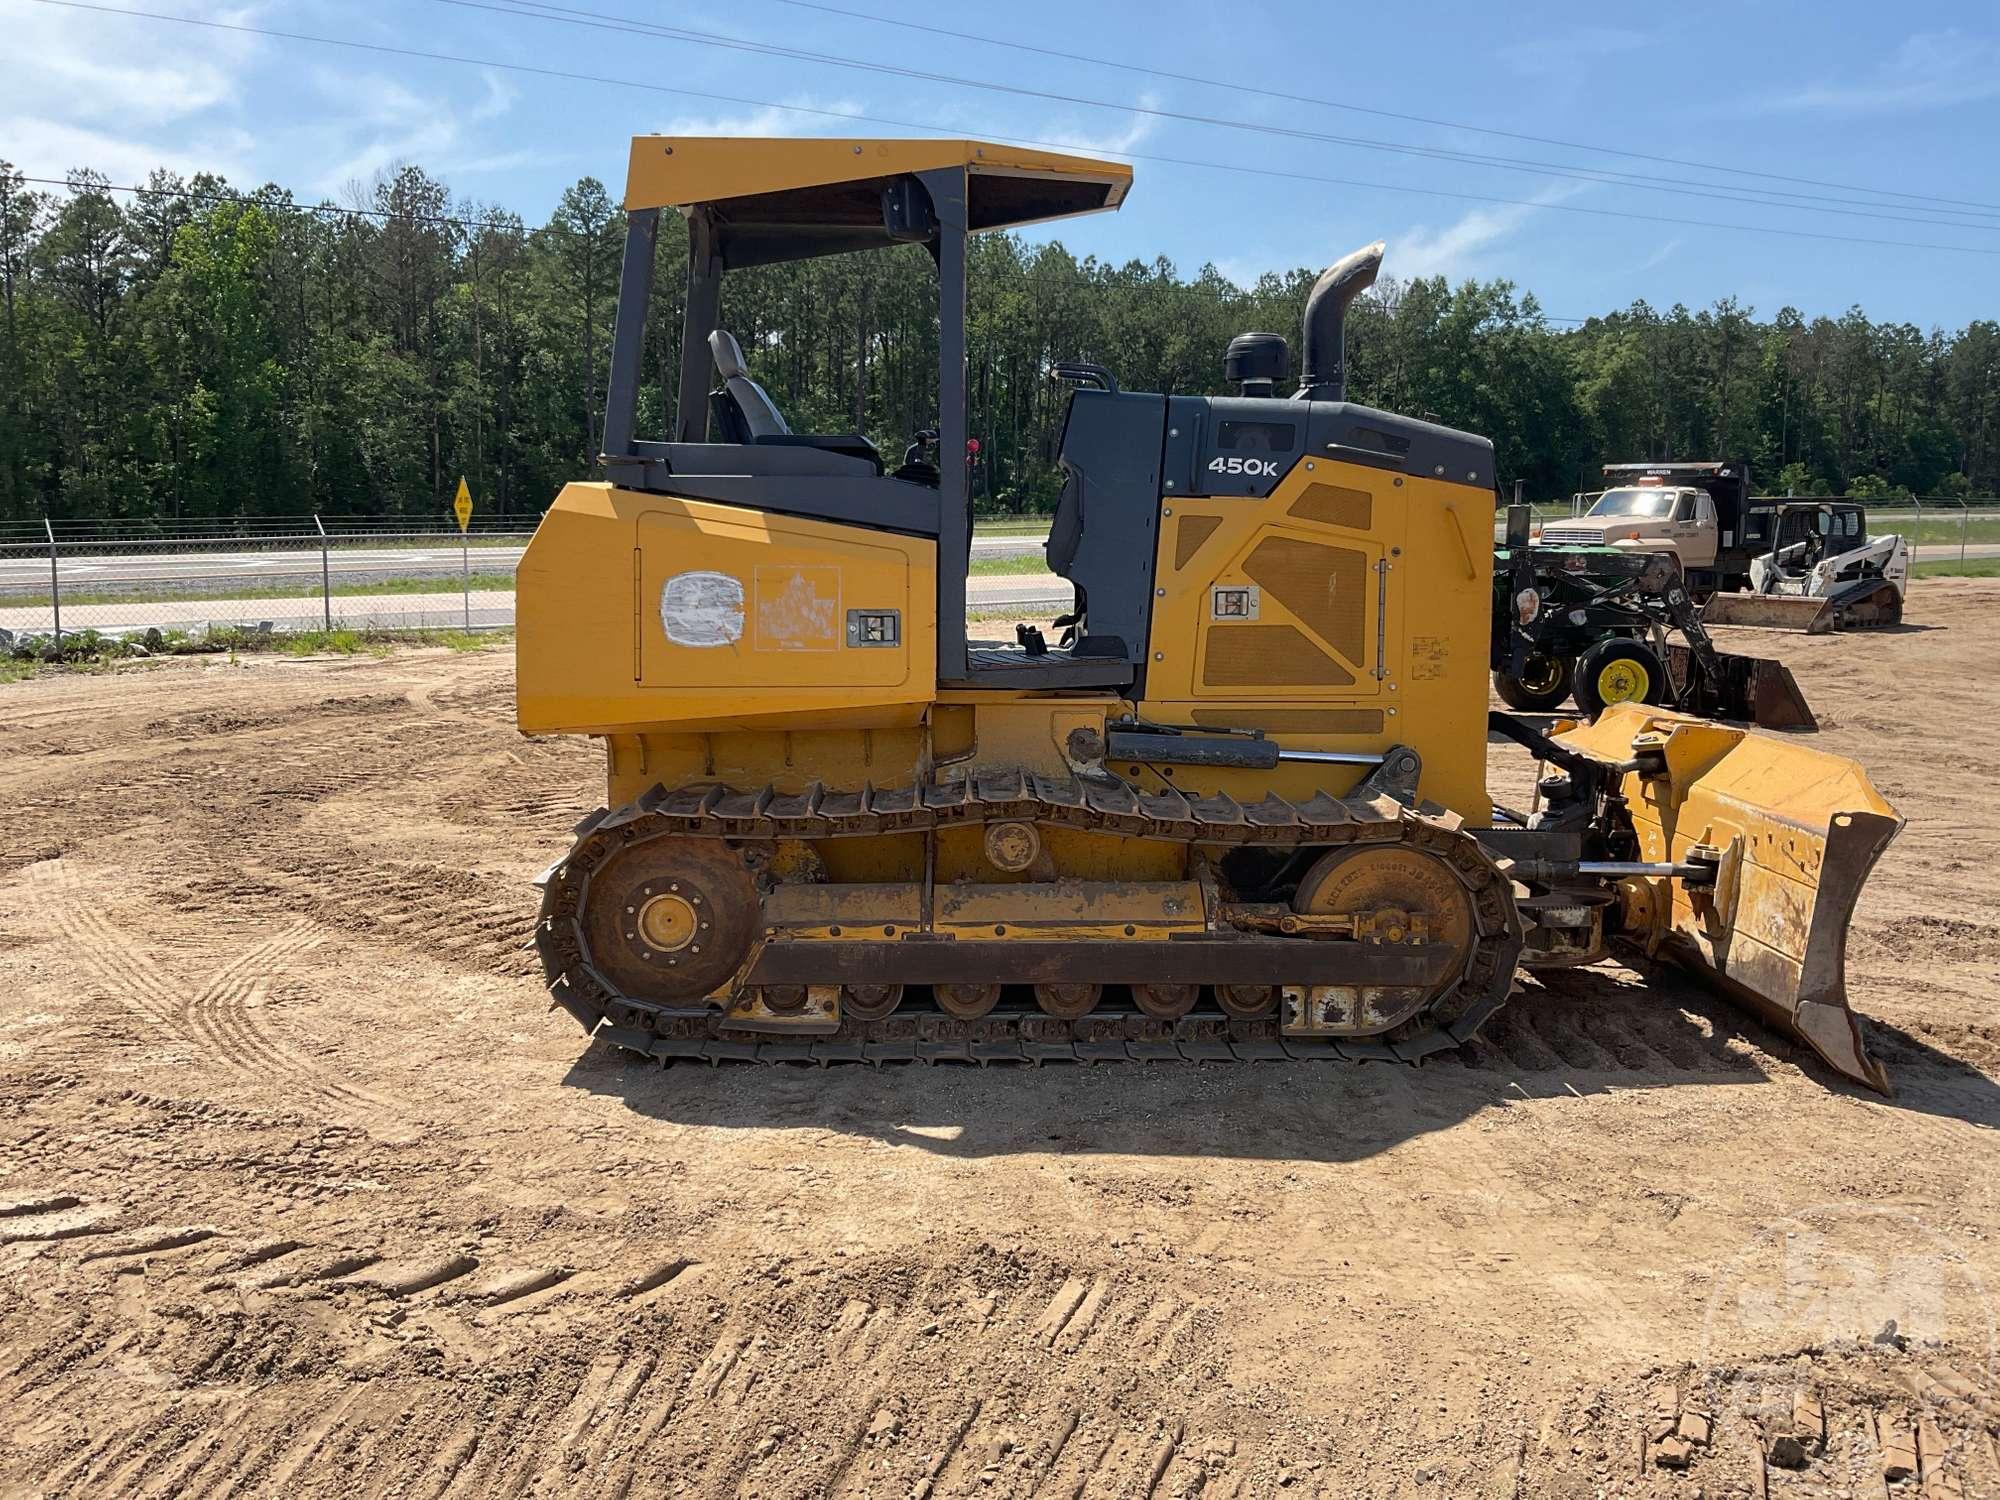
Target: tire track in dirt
[
  {"x": 737, "y": 1389},
  {"x": 125, "y": 969},
  {"x": 216, "y": 1019},
  {"x": 786, "y": 1378},
  {"x": 448, "y": 915},
  {"x": 226, "y": 1012}
]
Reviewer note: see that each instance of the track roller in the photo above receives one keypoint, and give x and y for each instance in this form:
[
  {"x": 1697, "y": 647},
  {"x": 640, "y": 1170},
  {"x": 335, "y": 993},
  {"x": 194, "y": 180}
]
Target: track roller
[
  {"x": 870, "y": 1002},
  {"x": 966, "y": 1002},
  {"x": 1247, "y": 1002},
  {"x": 1068, "y": 1002},
  {"x": 1165, "y": 1002}
]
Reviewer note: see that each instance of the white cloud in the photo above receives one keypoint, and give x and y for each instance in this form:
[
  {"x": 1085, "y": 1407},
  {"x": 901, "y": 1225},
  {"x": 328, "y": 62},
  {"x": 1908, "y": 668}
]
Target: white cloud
[
  {"x": 1570, "y": 54},
  {"x": 1659, "y": 257},
  {"x": 380, "y": 123},
  {"x": 807, "y": 115},
  {"x": 1458, "y": 249},
  {"x": 43, "y": 147},
  {"x": 1244, "y": 270},
  {"x": 76, "y": 68},
  {"x": 1138, "y": 128},
  {"x": 1932, "y": 69},
  {"x": 124, "y": 97}
]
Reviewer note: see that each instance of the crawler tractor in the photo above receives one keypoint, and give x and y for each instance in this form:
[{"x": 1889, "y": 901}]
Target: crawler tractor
[{"x": 1237, "y": 810}]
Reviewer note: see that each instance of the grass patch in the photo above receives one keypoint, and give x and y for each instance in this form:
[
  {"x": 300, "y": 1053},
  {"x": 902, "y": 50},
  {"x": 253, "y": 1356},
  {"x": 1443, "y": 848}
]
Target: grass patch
[
  {"x": 1012, "y": 526},
  {"x": 1024, "y": 565},
  {"x": 232, "y": 592},
  {"x": 87, "y": 651},
  {"x": 1936, "y": 530},
  {"x": 342, "y": 641},
  {"x": 346, "y": 541},
  {"x": 1972, "y": 567},
  {"x": 299, "y": 642}
]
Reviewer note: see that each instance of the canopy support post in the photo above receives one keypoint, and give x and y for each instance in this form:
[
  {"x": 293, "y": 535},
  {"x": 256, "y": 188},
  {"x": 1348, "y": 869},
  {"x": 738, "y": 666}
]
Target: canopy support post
[{"x": 704, "y": 312}]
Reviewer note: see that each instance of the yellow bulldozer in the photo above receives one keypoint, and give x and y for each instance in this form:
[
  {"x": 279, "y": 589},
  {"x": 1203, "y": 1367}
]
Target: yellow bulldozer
[{"x": 1237, "y": 808}]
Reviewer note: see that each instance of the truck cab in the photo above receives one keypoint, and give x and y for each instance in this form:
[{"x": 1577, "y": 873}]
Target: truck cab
[
  {"x": 1699, "y": 511},
  {"x": 1647, "y": 518}
]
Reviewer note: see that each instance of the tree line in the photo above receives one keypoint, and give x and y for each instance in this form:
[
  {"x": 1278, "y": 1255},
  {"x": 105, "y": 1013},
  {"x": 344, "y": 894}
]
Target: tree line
[{"x": 189, "y": 352}]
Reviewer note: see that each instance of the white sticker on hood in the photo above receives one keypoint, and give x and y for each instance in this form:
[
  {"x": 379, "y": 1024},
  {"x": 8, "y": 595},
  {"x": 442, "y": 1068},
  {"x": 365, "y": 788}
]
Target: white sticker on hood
[{"x": 702, "y": 609}]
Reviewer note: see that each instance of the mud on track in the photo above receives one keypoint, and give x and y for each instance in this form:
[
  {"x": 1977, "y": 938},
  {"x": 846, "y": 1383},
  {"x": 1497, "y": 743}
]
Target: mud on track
[{"x": 303, "y": 1190}]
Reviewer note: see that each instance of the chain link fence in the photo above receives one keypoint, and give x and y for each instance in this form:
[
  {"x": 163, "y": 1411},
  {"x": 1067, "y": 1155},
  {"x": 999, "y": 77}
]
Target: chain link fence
[
  {"x": 270, "y": 574},
  {"x": 1941, "y": 531},
  {"x": 301, "y": 573}
]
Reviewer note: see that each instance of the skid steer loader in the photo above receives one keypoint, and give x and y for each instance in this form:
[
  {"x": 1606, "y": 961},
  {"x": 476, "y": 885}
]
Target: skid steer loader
[
  {"x": 1824, "y": 572},
  {"x": 1239, "y": 811}
]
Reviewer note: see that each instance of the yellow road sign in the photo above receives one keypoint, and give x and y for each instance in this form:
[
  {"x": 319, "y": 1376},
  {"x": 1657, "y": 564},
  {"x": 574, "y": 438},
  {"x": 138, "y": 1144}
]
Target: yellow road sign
[{"x": 462, "y": 506}]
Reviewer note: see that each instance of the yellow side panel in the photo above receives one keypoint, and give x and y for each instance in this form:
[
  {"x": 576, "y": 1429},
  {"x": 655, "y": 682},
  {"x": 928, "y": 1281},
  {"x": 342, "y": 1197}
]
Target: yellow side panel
[
  {"x": 639, "y": 611},
  {"x": 1347, "y": 610}
]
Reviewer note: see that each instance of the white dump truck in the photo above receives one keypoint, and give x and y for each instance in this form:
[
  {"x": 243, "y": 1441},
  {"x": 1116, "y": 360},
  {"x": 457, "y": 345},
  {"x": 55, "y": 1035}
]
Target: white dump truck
[{"x": 1797, "y": 564}]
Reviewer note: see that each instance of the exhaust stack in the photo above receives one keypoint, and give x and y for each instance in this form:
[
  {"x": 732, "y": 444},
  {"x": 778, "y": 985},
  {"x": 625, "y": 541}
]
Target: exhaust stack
[{"x": 1324, "y": 373}]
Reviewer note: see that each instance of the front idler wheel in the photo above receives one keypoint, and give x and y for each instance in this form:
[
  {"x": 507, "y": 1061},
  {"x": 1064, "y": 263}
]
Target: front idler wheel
[
  {"x": 669, "y": 918},
  {"x": 1396, "y": 893}
]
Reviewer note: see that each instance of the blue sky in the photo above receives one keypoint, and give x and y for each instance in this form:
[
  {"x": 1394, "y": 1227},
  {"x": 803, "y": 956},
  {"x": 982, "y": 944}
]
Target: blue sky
[{"x": 1880, "y": 101}]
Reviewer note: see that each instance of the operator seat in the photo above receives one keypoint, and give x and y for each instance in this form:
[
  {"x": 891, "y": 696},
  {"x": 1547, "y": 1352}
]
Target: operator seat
[
  {"x": 759, "y": 413},
  {"x": 744, "y": 412}
]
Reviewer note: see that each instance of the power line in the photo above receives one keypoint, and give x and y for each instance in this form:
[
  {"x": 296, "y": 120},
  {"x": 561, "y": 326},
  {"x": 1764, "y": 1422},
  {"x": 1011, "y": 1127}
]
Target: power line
[
  {"x": 1385, "y": 114},
  {"x": 1719, "y": 192},
  {"x": 856, "y": 117}
]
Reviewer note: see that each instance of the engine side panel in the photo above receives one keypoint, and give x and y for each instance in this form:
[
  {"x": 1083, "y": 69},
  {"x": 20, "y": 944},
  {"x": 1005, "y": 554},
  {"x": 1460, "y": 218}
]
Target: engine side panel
[
  {"x": 640, "y": 611},
  {"x": 1347, "y": 609}
]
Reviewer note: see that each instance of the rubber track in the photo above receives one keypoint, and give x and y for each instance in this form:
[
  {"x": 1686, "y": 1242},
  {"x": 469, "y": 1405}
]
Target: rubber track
[{"x": 671, "y": 1032}]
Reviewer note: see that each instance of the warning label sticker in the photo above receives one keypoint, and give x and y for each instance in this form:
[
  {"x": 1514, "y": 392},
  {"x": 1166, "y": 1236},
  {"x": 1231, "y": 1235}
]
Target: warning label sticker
[{"x": 1429, "y": 655}]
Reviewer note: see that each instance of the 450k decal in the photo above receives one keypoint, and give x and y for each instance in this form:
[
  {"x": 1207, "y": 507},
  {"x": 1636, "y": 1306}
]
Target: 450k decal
[{"x": 1255, "y": 468}]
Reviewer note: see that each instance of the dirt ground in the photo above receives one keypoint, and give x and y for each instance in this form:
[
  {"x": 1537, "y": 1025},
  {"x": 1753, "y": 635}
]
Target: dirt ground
[{"x": 305, "y": 1191}]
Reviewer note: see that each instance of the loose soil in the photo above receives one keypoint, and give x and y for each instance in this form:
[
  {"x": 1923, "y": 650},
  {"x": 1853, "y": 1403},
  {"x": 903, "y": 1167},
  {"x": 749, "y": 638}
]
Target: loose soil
[{"x": 305, "y": 1191}]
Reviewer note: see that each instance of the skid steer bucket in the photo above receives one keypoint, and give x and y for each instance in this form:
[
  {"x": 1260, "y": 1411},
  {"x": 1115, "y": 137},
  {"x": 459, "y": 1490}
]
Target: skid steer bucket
[
  {"x": 1754, "y": 689},
  {"x": 1770, "y": 612},
  {"x": 1795, "y": 832}
]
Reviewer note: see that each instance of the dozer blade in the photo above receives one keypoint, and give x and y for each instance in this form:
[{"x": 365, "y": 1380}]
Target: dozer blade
[
  {"x": 1797, "y": 831},
  {"x": 1770, "y": 612},
  {"x": 1754, "y": 689}
]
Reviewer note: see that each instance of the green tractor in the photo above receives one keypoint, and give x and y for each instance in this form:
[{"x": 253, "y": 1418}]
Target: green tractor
[{"x": 1599, "y": 623}]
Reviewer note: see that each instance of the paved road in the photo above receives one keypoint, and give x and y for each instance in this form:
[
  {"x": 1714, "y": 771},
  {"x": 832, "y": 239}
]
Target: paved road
[
  {"x": 213, "y": 573},
  {"x": 1038, "y": 596},
  {"x": 1032, "y": 595},
  {"x": 90, "y": 569}
]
